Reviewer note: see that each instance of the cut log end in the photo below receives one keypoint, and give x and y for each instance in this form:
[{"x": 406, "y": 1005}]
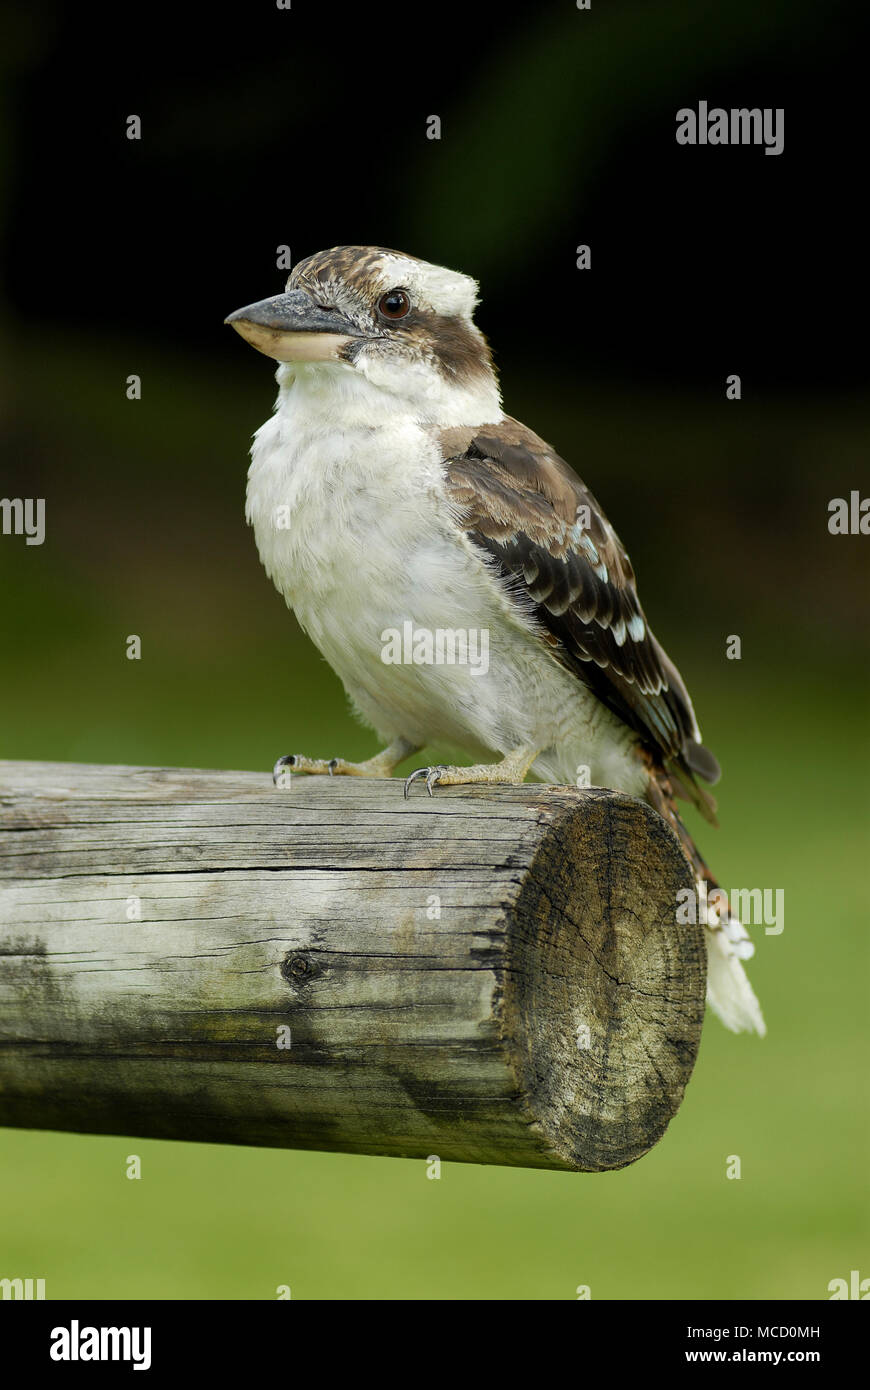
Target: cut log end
[{"x": 604, "y": 996}]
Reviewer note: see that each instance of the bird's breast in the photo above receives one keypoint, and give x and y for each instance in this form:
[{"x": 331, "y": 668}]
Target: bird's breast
[{"x": 344, "y": 520}]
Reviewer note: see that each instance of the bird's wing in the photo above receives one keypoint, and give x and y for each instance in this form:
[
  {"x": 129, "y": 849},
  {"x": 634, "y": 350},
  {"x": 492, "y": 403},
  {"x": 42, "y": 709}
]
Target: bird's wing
[{"x": 523, "y": 505}]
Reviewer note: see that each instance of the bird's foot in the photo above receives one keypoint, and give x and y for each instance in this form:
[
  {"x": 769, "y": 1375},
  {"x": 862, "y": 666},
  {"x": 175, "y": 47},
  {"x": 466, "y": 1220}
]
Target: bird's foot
[
  {"x": 381, "y": 765},
  {"x": 297, "y": 762},
  {"x": 511, "y": 770}
]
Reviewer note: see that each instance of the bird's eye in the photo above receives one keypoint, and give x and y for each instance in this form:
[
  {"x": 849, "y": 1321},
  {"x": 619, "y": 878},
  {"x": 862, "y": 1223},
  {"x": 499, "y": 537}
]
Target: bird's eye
[{"x": 394, "y": 304}]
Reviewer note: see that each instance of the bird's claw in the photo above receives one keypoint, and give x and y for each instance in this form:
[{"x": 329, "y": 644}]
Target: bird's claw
[
  {"x": 432, "y": 775},
  {"x": 289, "y": 760},
  {"x": 296, "y": 762}
]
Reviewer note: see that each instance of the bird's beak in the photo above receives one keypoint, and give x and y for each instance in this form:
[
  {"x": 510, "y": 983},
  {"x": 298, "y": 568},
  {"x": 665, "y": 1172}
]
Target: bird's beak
[{"x": 292, "y": 328}]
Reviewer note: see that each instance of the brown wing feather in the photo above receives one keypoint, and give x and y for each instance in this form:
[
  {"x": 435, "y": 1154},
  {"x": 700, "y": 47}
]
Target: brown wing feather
[{"x": 525, "y": 507}]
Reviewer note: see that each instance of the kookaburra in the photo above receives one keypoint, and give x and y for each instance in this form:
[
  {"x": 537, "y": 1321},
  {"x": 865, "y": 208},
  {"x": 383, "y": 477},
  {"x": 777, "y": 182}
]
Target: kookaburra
[{"x": 390, "y": 493}]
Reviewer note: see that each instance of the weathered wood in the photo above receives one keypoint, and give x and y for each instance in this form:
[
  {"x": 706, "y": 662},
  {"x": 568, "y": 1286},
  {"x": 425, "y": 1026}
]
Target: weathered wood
[{"x": 491, "y": 976}]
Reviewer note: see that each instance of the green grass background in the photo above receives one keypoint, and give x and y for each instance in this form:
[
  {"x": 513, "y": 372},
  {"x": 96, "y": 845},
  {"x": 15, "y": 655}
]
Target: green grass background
[{"x": 146, "y": 535}]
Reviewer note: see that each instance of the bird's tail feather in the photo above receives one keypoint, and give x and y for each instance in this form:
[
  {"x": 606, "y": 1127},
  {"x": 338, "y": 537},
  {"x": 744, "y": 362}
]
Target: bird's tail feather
[{"x": 729, "y": 993}]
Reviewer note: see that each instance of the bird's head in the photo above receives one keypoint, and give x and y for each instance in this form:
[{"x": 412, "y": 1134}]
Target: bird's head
[{"x": 404, "y": 325}]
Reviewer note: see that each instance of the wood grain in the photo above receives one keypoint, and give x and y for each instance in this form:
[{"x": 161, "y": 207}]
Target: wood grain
[{"x": 490, "y": 975}]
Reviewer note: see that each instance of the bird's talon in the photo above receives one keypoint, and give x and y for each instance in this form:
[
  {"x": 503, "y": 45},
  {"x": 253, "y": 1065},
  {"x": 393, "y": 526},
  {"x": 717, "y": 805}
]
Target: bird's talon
[
  {"x": 431, "y": 774},
  {"x": 420, "y": 772},
  {"x": 288, "y": 760}
]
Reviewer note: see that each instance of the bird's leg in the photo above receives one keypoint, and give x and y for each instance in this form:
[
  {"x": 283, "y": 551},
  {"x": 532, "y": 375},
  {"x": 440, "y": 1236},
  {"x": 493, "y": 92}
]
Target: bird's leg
[
  {"x": 511, "y": 769},
  {"x": 383, "y": 764}
]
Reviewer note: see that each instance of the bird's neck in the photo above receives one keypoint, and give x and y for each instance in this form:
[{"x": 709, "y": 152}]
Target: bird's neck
[{"x": 384, "y": 395}]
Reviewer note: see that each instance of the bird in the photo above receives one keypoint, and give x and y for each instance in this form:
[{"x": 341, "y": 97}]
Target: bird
[{"x": 389, "y": 493}]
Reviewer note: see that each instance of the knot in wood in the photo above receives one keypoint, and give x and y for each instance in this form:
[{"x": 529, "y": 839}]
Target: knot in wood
[{"x": 297, "y": 968}]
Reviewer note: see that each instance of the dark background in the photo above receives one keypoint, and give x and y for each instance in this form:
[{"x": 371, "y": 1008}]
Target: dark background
[{"x": 308, "y": 127}]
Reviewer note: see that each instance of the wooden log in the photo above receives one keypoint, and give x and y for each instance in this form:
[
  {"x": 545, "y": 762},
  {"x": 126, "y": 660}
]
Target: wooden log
[{"x": 491, "y": 975}]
